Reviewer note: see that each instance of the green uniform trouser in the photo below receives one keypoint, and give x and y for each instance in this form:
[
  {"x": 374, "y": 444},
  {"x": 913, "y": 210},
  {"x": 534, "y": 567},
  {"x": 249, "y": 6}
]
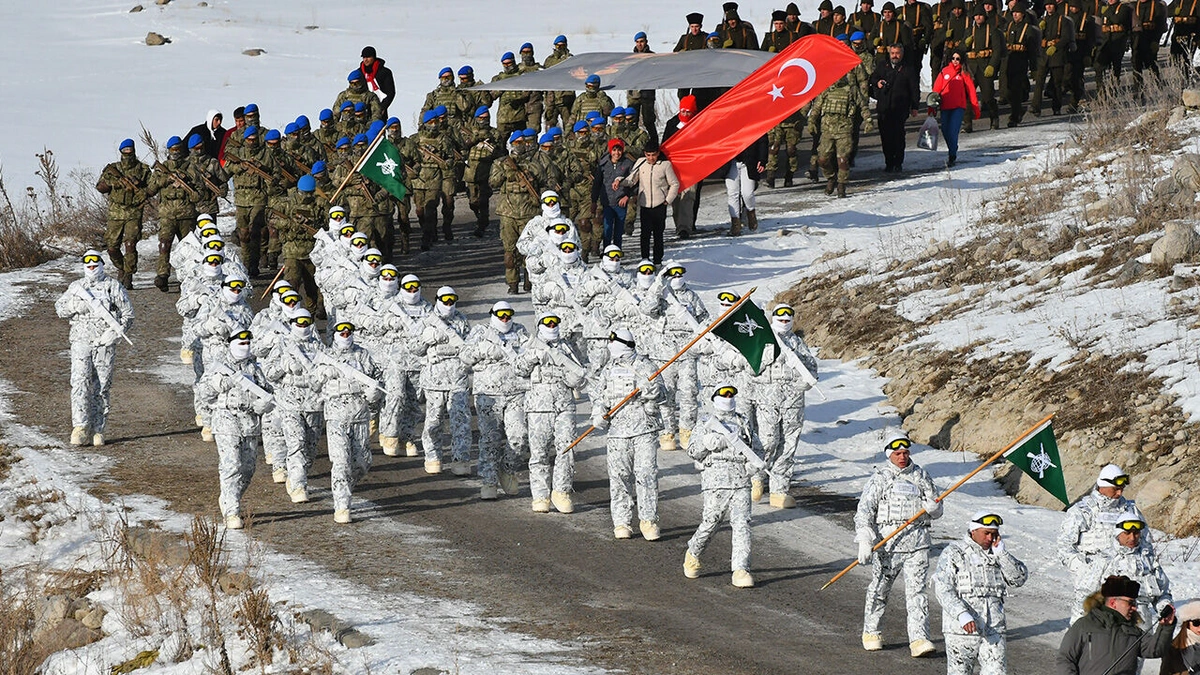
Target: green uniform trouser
[
  {"x": 987, "y": 89},
  {"x": 170, "y": 229},
  {"x": 556, "y": 111},
  {"x": 478, "y": 194},
  {"x": 427, "y": 202},
  {"x": 834, "y": 150},
  {"x": 374, "y": 226},
  {"x": 1058, "y": 83},
  {"x": 449, "y": 187},
  {"x": 786, "y": 137},
  {"x": 583, "y": 214},
  {"x": 514, "y": 262},
  {"x": 505, "y": 129},
  {"x": 127, "y": 231},
  {"x": 271, "y": 246},
  {"x": 251, "y": 229},
  {"x": 401, "y": 223},
  {"x": 300, "y": 273}
]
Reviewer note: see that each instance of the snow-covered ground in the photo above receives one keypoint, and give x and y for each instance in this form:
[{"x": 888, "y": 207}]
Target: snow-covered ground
[{"x": 81, "y": 80}]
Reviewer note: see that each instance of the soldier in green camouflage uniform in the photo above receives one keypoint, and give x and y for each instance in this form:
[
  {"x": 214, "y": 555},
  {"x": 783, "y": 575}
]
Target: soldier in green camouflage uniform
[
  {"x": 592, "y": 99},
  {"x": 328, "y": 133},
  {"x": 124, "y": 182},
  {"x": 400, "y": 219},
  {"x": 786, "y": 135},
  {"x": 362, "y": 198},
  {"x": 213, "y": 181},
  {"x": 356, "y": 91},
  {"x": 559, "y": 103},
  {"x": 483, "y": 148},
  {"x": 432, "y": 165},
  {"x": 305, "y": 146},
  {"x": 860, "y": 83},
  {"x": 348, "y": 126},
  {"x": 445, "y": 94},
  {"x": 178, "y": 192},
  {"x": 510, "y": 111},
  {"x": 514, "y": 178},
  {"x": 533, "y": 107},
  {"x": 581, "y": 195},
  {"x": 305, "y": 216},
  {"x": 287, "y": 172},
  {"x": 250, "y": 192},
  {"x": 835, "y": 112},
  {"x": 469, "y": 99},
  {"x": 454, "y": 154}
]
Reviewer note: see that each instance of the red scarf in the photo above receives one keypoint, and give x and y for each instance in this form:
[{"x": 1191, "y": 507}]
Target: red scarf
[{"x": 370, "y": 74}]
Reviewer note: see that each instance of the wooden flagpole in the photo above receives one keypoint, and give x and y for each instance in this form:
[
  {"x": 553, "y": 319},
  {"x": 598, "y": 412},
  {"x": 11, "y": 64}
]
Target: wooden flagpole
[{"x": 357, "y": 165}]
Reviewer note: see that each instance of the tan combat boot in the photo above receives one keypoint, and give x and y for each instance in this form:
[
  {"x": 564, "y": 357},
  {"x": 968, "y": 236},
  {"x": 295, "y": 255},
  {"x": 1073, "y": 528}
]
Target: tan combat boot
[
  {"x": 742, "y": 579},
  {"x": 390, "y": 445},
  {"x": 691, "y": 565},
  {"x": 650, "y": 531},
  {"x": 562, "y": 501},
  {"x": 830, "y": 185},
  {"x": 685, "y": 437},
  {"x": 782, "y": 500},
  {"x": 667, "y": 442},
  {"x": 79, "y": 435},
  {"x": 757, "y": 489}
]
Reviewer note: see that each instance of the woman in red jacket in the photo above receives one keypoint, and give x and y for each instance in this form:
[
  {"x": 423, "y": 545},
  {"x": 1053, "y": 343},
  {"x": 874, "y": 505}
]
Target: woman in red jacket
[{"x": 957, "y": 89}]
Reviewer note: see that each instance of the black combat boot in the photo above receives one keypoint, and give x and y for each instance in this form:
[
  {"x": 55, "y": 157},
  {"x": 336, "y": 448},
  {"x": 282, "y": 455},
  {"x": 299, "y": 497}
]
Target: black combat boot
[
  {"x": 841, "y": 189},
  {"x": 829, "y": 186}
]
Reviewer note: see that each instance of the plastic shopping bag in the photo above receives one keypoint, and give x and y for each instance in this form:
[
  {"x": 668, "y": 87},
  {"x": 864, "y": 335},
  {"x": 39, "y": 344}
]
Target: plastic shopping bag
[{"x": 927, "y": 138}]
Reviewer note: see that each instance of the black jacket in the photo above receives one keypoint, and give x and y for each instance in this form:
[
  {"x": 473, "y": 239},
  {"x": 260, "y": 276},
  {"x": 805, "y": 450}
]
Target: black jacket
[
  {"x": 387, "y": 84},
  {"x": 212, "y": 139},
  {"x": 900, "y": 93},
  {"x": 1102, "y": 636}
]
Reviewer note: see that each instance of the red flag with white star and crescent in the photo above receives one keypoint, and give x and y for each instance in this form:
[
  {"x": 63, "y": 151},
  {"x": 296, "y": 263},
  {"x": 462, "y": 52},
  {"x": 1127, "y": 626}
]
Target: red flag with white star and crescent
[{"x": 765, "y": 98}]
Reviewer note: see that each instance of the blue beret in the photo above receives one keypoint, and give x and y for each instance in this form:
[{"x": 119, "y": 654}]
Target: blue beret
[
  {"x": 713, "y": 35},
  {"x": 360, "y": 107},
  {"x": 843, "y": 37},
  {"x": 290, "y": 128},
  {"x": 445, "y": 71},
  {"x": 440, "y": 111},
  {"x": 507, "y": 56},
  {"x": 250, "y": 131},
  {"x": 560, "y": 40},
  {"x": 546, "y": 138},
  {"x": 346, "y": 104},
  {"x": 529, "y": 133},
  {"x": 427, "y": 116},
  {"x": 374, "y": 129},
  {"x": 325, "y": 114},
  {"x": 272, "y": 135},
  {"x": 360, "y": 138},
  {"x": 302, "y": 122},
  {"x": 194, "y": 140},
  {"x": 857, "y": 35},
  {"x": 592, "y": 79},
  {"x": 250, "y": 108},
  {"x": 617, "y": 111},
  {"x": 173, "y": 141},
  {"x": 598, "y": 121},
  {"x": 516, "y": 136},
  {"x": 554, "y": 131},
  {"x": 127, "y": 143},
  {"x": 318, "y": 167},
  {"x": 342, "y": 142},
  {"x": 355, "y": 74},
  {"x": 579, "y": 126},
  {"x": 466, "y": 70},
  {"x": 527, "y": 45},
  {"x": 306, "y": 183},
  {"x": 593, "y": 115},
  {"x": 481, "y": 110},
  {"x": 639, "y": 36},
  {"x": 392, "y": 120}
]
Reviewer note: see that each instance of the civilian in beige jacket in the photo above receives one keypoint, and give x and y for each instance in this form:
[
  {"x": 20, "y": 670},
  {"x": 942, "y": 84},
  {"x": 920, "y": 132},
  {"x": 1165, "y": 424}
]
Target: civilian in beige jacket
[{"x": 656, "y": 186}]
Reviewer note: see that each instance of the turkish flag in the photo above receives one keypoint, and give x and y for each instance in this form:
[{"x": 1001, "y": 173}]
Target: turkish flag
[{"x": 765, "y": 98}]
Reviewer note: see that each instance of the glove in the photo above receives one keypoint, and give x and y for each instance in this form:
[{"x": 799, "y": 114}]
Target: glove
[
  {"x": 294, "y": 366},
  {"x": 998, "y": 548},
  {"x": 933, "y": 507},
  {"x": 1042, "y": 25},
  {"x": 109, "y": 336},
  {"x": 727, "y": 44},
  {"x": 263, "y": 406},
  {"x": 877, "y": 41},
  {"x": 374, "y": 395},
  {"x": 949, "y": 33},
  {"x": 989, "y": 72},
  {"x": 431, "y": 336},
  {"x": 1050, "y": 50},
  {"x": 600, "y": 422},
  {"x": 864, "y": 552},
  {"x": 969, "y": 41},
  {"x": 186, "y": 355}
]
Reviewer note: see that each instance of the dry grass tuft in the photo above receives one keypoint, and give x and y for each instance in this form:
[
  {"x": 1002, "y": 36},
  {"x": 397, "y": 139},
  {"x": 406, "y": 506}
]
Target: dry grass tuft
[{"x": 68, "y": 211}]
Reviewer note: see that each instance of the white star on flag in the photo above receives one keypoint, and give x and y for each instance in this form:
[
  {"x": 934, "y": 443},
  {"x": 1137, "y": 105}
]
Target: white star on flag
[{"x": 776, "y": 92}]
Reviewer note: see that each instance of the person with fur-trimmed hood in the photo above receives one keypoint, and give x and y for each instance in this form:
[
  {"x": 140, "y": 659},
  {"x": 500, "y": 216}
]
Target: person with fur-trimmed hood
[
  {"x": 1107, "y": 640},
  {"x": 1183, "y": 655},
  {"x": 897, "y": 491}
]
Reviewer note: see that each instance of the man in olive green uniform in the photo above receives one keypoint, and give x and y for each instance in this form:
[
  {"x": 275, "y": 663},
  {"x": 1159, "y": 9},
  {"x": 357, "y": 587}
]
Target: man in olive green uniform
[
  {"x": 305, "y": 217},
  {"x": 735, "y": 33},
  {"x": 400, "y": 220},
  {"x": 533, "y": 106},
  {"x": 125, "y": 183},
  {"x": 1185, "y": 16},
  {"x": 510, "y": 111},
  {"x": 514, "y": 178},
  {"x": 643, "y": 101},
  {"x": 592, "y": 100},
  {"x": 356, "y": 92},
  {"x": 253, "y": 181},
  {"x": 865, "y": 19},
  {"x": 694, "y": 39},
  {"x": 581, "y": 195},
  {"x": 362, "y": 198},
  {"x": 919, "y": 17},
  {"x": 1022, "y": 43},
  {"x": 893, "y": 30},
  {"x": 178, "y": 192},
  {"x": 433, "y": 164},
  {"x": 786, "y": 135},
  {"x": 937, "y": 39},
  {"x": 445, "y": 94},
  {"x": 469, "y": 99},
  {"x": 483, "y": 147},
  {"x": 454, "y": 154},
  {"x": 1116, "y": 23},
  {"x": 307, "y": 147},
  {"x": 287, "y": 172},
  {"x": 985, "y": 45},
  {"x": 214, "y": 182},
  {"x": 328, "y": 132},
  {"x": 558, "y": 103},
  {"x": 1058, "y": 41},
  {"x": 835, "y": 112}
]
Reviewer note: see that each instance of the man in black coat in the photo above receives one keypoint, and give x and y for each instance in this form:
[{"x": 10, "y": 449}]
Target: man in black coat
[
  {"x": 379, "y": 78},
  {"x": 894, "y": 86},
  {"x": 211, "y": 133}
]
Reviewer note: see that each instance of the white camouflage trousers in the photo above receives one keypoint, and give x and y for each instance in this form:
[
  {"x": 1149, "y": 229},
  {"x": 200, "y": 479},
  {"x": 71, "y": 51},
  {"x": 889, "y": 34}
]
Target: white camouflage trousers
[
  {"x": 301, "y": 430},
  {"x": 274, "y": 446},
  {"x": 549, "y": 433},
  {"x": 346, "y": 432},
  {"x": 438, "y": 406},
  {"x": 501, "y": 421},
  {"x": 235, "y": 465},
  {"x": 203, "y": 409},
  {"x": 779, "y": 430},
  {"x": 633, "y": 467},
  {"x": 681, "y": 404},
  {"x": 718, "y": 502},
  {"x": 886, "y": 569},
  {"x": 739, "y": 189},
  {"x": 962, "y": 651},
  {"x": 398, "y": 416},
  {"x": 91, "y": 379}
]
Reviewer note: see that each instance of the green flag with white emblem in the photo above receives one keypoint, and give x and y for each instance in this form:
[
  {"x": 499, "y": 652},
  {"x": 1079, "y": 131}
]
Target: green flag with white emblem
[
  {"x": 385, "y": 166},
  {"x": 1037, "y": 455},
  {"x": 747, "y": 329}
]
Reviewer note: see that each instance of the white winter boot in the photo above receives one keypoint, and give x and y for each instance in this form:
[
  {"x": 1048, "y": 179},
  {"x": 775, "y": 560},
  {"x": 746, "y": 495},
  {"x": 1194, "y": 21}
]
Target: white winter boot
[
  {"x": 79, "y": 435},
  {"x": 390, "y": 445}
]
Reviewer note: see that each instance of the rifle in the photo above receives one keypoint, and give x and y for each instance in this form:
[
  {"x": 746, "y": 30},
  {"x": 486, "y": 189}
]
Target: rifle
[
  {"x": 805, "y": 373},
  {"x": 280, "y": 214},
  {"x": 362, "y": 185},
  {"x": 243, "y": 381},
  {"x": 252, "y": 167},
  {"x": 356, "y": 375},
  {"x": 102, "y": 312},
  {"x": 443, "y": 164},
  {"x": 568, "y": 363},
  {"x": 452, "y": 334},
  {"x": 736, "y": 441},
  {"x": 178, "y": 180},
  {"x": 586, "y": 320},
  {"x": 524, "y": 179},
  {"x": 217, "y": 192}
]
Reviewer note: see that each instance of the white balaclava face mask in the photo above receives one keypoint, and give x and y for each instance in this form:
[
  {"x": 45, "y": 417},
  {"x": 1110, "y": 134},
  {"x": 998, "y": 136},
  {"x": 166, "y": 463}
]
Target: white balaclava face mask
[
  {"x": 304, "y": 332},
  {"x": 557, "y": 238},
  {"x": 230, "y": 296},
  {"x": 501, "y": 326},
  {"x": 239, "y": 349},
  {"x": 676, "y": 283},
  {"x": 343, "y": 341},
  {"x": 568, "y": 257},
  {"x": 551, "y": 210},
  {"x": 389, "y": 286},
  {"x": 93, "y": 271},
  {"x": 547, "y": 333},
  {"x": 409, "y": 297},
  {"x": 725, "y": 404},
  {"x": 443, "y": 309},
  {"x": 357, "y": 250},
  {"x": 645, "y": 281},
  {"x": 617, "y": 349},
  {"x": 210, "y": 271},
  {"x": 781, "y": 324},
  {"x": 610, "y": 265},
  {"x": 367, "y": 270}
]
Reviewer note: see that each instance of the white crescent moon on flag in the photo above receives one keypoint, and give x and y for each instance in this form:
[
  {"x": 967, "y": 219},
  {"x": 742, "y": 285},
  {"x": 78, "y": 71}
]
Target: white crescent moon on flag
[{"x": 808, "y": 68}]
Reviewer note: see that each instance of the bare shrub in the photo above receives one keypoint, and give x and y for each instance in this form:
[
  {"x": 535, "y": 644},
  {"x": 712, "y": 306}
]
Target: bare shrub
[
  {"x": 60, "y": 216},
  {"x": 18, "y": 653}
]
